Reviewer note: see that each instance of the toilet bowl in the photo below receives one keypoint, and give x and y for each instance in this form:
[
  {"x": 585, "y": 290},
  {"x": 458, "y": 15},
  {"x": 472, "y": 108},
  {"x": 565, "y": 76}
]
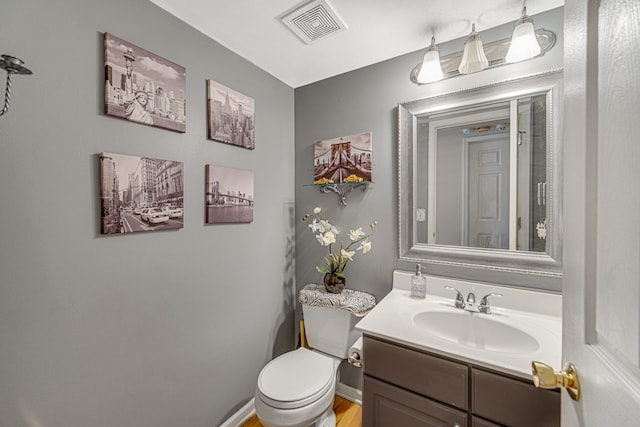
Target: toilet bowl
[{"x": 297, "y": 388}]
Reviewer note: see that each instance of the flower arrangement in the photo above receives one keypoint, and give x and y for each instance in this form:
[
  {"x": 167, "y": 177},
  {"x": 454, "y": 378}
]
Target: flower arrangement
[{"x": 336, "y": 261}]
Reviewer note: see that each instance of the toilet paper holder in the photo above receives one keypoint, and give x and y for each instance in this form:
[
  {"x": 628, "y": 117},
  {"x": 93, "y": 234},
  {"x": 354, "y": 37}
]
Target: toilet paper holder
[
  {"x": 355, "y": 354},
  {"x": 354, "y": 359}
]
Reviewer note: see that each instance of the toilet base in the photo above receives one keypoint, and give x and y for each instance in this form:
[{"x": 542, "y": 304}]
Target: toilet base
[{"x": 328, "y": 419}]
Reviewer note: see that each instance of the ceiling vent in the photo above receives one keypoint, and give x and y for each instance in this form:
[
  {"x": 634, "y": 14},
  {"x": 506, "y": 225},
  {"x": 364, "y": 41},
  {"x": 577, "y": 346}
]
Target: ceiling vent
[{"x": 314, "y": 21}]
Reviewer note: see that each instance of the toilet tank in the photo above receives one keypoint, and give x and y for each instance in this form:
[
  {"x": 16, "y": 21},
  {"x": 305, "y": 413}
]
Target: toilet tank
[
  {"x": 330, "y": 330},
  {"x": 330, "y": 319}
]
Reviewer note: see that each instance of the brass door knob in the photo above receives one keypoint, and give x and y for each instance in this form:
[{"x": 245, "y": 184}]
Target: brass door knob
[{"x": 545, "y": 377}]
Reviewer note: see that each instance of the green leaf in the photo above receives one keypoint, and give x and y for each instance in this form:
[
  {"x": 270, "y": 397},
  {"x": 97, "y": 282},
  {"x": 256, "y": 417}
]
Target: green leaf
[{"x": 322, "y": 269}]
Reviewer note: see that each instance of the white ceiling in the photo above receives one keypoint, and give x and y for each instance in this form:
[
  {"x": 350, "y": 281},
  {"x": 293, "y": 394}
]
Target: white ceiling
[{"x": 377, "y": 30}]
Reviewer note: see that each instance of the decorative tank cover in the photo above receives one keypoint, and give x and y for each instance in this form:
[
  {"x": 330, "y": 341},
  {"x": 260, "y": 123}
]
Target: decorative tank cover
[{"x": 357, "y": 302}]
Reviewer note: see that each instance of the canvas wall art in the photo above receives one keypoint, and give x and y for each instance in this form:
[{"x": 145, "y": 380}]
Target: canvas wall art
[
  {"x": 143, "y": 87},
  {"x": 231, "y": 116},
  {"x": 344, "y": 159},
  {"x": 228, "y": 195},
  {"x": 140, "y": 194}
]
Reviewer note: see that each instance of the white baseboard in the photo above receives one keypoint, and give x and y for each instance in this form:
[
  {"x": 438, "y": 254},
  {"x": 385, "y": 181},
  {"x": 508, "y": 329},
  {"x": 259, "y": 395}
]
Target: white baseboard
[
  {"x": 236, "y": 420},
  {"x": 350, "y": 393},
  {"x": 241, "y": 416}
]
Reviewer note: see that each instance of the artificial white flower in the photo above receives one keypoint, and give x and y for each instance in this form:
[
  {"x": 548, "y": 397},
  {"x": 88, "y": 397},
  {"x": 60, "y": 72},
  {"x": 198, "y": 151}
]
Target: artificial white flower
[
  {"x": 314, "y": 226},
  {"x": 347, "y": 255},
  {"x": 327, "y": 238},
  {"x": 325, "y": 226},
  {"x": 330, "y": 236},
  {"x": 356, "y": 234},
  {"x": 365, "y": 246}
]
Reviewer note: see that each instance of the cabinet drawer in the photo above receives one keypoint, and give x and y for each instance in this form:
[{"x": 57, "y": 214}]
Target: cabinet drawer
[
  {"x": 513, "y": 402},
  {"x": 429, "y": 375},
  {"x": 388, "y": 406}
]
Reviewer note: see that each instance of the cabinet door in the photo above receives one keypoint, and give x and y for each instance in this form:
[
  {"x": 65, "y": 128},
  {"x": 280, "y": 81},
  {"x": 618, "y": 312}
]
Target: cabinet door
[
  {"x": 513, "y": 402},
  {"x": 384, "y": 405}
]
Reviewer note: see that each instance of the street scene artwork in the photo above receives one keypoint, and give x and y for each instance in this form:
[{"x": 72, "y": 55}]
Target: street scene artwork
[
  {"x": 143, "y": 87},
  {"x": 228, "y": 195},
  {"x": 231, "y": 116},
  {"x": 344, "y": 159},
  {"x": 140, "y": 194}
]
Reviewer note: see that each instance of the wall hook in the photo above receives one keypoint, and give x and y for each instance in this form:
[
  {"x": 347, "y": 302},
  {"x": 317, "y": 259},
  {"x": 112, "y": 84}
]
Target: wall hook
[{"x": 12, "y": 66}]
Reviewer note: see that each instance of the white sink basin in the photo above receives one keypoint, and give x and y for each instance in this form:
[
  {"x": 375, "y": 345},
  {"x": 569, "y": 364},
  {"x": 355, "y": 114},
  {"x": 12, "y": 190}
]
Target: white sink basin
[
  {"x": 524, "y": 325},
  {"x": 476, "y": 330}
]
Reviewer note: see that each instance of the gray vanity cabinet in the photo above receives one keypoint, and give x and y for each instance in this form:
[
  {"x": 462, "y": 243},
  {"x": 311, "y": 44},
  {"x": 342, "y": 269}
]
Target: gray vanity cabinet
[{"x": 406, "y": 387}]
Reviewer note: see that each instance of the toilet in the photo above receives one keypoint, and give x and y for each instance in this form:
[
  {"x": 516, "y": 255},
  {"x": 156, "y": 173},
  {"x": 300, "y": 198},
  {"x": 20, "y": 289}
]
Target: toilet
[{"x": 297, "y": 388}]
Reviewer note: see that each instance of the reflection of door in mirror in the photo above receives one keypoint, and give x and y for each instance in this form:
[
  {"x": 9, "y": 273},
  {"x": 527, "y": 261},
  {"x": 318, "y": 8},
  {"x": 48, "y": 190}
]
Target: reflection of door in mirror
[
  {"x": 486, "y": 176},
  {"x": 488, "y": 191},
  {"x": 469, "y": 178}
]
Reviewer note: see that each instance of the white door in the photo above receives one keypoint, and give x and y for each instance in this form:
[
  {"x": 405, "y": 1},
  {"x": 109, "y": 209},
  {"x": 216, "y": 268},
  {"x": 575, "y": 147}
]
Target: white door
[
  {"x": 601, "y": 287},
  {"x": 488, "y": 191}
]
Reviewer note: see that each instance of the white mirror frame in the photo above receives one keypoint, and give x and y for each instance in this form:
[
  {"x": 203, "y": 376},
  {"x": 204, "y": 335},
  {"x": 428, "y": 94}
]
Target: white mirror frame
[{"x": 535, "y": 263}]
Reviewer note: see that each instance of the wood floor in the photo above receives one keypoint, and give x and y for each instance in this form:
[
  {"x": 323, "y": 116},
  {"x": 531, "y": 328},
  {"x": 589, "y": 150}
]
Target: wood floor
[{"x": 348, "y": 414}]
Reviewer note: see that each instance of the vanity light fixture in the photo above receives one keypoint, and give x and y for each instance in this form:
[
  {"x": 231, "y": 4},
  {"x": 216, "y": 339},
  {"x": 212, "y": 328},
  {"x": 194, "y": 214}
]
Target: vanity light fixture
[
  {"x": 524, "y": 43},
  {"x": 12, "y": 66},
  {"x": 473, "y": 57},
  {"x": 430, "y": 70}
]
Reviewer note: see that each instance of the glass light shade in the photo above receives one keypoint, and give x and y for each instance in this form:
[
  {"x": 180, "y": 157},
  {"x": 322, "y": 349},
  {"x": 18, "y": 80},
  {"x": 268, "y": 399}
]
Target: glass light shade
[
  {"x": 524, "y": 44},
  {"x": 473, "y": 57},
  {"x": 430, "y": 70}
]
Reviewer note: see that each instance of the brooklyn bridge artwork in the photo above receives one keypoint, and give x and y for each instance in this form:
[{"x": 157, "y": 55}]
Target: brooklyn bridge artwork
[
  {"x": 228, "y": 195},
  {"x": 344, "y": 159}
]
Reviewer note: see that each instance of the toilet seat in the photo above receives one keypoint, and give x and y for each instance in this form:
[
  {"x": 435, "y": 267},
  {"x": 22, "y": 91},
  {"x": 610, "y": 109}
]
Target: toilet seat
[{"x": 296, "y": 379}]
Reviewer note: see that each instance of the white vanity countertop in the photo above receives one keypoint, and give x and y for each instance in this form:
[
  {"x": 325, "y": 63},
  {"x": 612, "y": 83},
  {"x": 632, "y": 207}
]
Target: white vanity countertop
[{"x": 537, "y": 314}]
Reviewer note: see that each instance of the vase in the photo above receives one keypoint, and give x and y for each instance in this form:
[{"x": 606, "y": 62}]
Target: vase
[{"x": 334, "y": 283}]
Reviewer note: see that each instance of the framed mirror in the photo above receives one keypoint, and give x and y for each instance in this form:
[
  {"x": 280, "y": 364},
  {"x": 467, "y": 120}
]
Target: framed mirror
[{"x": 479, "y": 177}]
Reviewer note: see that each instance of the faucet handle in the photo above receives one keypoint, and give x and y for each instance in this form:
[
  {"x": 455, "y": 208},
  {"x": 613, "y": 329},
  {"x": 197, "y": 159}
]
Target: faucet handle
[
  {"x": 484, "y": 303},
  {"x": 459, "y": 298}
]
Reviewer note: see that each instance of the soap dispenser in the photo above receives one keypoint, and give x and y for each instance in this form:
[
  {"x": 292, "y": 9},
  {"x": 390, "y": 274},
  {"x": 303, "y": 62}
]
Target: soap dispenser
[{"x": 418, "y": 283}]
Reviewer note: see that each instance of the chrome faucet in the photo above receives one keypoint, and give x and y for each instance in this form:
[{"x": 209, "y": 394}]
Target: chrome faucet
[
  {"x": 470, "y": 303},
  {"x": 484, "y": 303}
]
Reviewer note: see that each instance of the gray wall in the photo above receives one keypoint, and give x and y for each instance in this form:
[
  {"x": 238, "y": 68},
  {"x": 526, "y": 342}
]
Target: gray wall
[
  {"x": 146, "y": 329},
  {"x": 366, "y": 100}
]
